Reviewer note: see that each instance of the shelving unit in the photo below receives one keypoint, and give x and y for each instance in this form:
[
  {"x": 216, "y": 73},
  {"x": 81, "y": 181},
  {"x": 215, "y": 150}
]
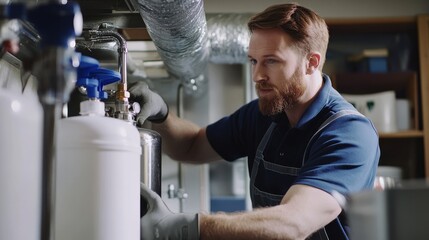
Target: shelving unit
[
  {"x": 404, "y": 84},
  {"x": 407, "y": 40},
  {"x": 423, "y": 37}
]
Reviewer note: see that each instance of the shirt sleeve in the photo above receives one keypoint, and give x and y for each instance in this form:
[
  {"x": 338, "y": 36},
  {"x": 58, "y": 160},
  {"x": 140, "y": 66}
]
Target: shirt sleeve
[
  {"x": 234, "y": 136},
  {"x": 343, "y": 157}
]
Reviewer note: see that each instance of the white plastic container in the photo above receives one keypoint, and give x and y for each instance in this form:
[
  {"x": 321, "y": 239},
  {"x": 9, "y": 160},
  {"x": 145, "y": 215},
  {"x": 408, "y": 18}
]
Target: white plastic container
[
  {"x": 379, "y": 107},
  {"x": 98, "y": 178},
  {"x": 20, "y": 166}
]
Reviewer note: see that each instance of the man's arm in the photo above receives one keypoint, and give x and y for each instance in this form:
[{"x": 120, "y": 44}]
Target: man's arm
[
  {"x": 184, "y": 141},
  {"x": 181, "y": 139},
  {"x": 303, "y": 210}
]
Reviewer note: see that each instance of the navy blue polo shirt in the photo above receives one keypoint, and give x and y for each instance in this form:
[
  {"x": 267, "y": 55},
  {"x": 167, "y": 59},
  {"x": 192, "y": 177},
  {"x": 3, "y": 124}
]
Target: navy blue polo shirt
[{"x": 343, "y": 157}]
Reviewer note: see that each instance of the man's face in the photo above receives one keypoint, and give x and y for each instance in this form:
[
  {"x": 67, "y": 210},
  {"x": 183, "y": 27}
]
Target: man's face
[{"x": 277, "y": 70}]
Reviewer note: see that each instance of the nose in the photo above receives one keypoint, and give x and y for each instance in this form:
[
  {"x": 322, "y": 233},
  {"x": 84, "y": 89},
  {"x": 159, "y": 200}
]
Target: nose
[{"x": 258, "y": 73}]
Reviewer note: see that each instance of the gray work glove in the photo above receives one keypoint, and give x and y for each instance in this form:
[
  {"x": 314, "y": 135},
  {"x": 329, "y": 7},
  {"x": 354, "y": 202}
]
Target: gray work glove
[
  {"x": 153, "y": 107},
  {"x": 160, "y": 223}
]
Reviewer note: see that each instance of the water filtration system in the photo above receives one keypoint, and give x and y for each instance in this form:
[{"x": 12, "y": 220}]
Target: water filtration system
[
  {"x": 98, "y": 167},
  {"x": 118, "y": 105}
]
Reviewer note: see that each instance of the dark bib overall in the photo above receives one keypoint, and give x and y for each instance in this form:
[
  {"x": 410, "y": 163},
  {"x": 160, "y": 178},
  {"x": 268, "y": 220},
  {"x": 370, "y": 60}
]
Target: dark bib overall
[{"x": 261, "y": 198}]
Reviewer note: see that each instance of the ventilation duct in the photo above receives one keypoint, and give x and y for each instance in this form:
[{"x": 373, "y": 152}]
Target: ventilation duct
[
  {"x": 229, "y": 38},
  {"x": 186, "y": 38},
  {"x": 186, "y": 41},
  {"x": 179, "y": 31}
]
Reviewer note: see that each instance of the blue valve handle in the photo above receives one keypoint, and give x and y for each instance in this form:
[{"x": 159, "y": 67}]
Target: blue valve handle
[
  {"x": 105, "y": 76},
  {"x": 94, "y": 78},
  {"x": 91, "y": 85},
  {"x": 86, "y": 66}
]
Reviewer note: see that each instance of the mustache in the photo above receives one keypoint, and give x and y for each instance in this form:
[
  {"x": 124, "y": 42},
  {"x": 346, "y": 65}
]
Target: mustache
[{"x": 263, "y": 85}]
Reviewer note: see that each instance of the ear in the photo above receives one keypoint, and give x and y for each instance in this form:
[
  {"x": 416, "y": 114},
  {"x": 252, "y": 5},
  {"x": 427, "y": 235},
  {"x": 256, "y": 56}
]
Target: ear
[{"x": 313, "y": 62}]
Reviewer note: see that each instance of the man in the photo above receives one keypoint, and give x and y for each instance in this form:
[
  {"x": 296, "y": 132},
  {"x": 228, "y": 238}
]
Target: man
[{"x": 304, "y": 142}]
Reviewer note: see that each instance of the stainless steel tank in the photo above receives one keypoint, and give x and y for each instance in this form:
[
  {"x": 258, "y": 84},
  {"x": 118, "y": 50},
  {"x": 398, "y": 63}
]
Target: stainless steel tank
[{"x": 151, "y": 159}]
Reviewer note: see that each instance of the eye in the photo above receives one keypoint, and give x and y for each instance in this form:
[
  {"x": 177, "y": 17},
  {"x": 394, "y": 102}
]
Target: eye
[
  {"x": 252, "y": 61},
  {"x": 270, "y": 61}
]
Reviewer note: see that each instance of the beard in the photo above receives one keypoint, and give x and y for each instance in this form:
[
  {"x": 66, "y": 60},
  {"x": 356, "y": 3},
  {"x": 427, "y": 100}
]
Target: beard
[{"x": 284, "y": 97}]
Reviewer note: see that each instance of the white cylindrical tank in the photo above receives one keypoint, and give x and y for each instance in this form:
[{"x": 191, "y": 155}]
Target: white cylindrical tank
[
  {"x": 98, "y": 177},
  {"x": 20, "y": 166}
]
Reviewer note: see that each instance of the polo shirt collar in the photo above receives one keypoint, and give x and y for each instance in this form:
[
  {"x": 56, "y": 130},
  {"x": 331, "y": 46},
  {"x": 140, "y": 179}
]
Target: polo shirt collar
[{"x": 319, "y": 102}]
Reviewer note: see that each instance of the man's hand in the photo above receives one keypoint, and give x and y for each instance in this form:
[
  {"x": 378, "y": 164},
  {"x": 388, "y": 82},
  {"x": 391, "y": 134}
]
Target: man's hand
[
  {"x": 153, "y": 107},
  {"x": 160, "y": 223}
]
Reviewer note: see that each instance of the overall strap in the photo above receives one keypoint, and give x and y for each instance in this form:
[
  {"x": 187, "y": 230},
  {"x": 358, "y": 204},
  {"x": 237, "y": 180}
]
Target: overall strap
[
  {"x": 332, "y": 118},
  {"x": 260, "y": 152},
  {"x": 321, "y": 233}
]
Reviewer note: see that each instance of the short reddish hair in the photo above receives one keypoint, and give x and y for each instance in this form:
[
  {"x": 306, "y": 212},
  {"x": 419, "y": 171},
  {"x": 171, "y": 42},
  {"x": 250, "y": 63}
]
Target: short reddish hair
[{"x": 307, "y": 29}]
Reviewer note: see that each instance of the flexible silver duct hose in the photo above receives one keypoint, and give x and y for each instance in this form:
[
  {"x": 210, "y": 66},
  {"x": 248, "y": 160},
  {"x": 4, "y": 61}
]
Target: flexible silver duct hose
[
  {"x": 179, "y": 31},
  {"x": 186, "y": 41},
  {"x": 229, "y": 38}
]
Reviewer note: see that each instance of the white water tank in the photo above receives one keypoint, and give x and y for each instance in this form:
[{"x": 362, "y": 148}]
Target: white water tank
[
  {"x": 20, "y": 166},
  {"x": 98, "y": 177}
]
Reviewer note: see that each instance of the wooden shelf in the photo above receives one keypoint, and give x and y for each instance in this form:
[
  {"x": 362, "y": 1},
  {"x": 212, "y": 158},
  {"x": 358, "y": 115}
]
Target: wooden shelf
[
  {"x": 403, "y": 134},
  {"x": 404, "y": 84},
  {"x": 423, "y": 34},
  {"x": 406, "y": 149},
  {"x": 371, "y": 25}
]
